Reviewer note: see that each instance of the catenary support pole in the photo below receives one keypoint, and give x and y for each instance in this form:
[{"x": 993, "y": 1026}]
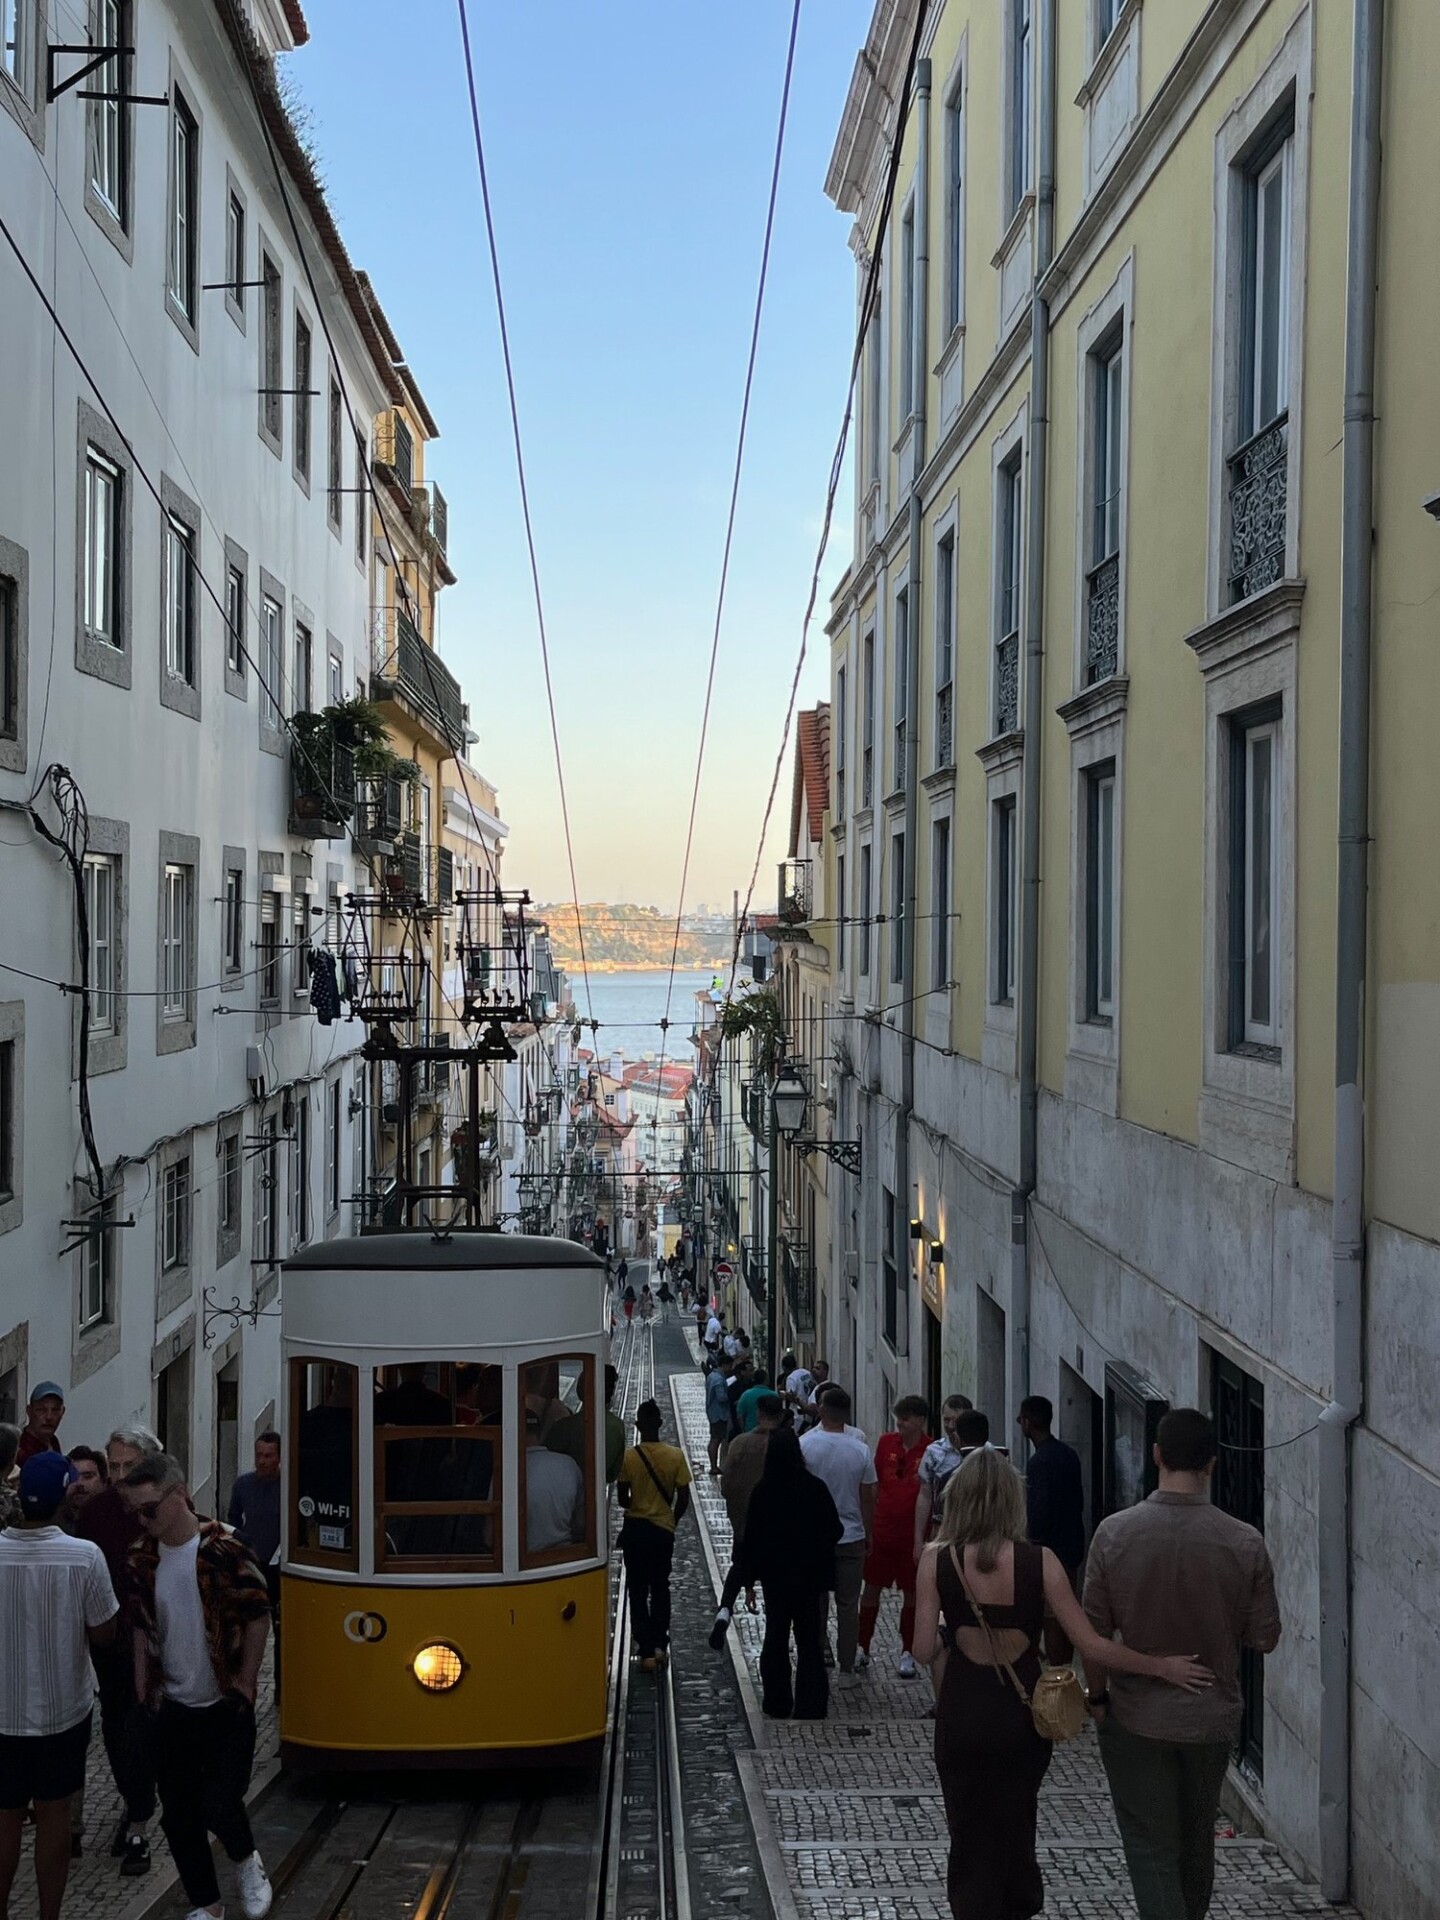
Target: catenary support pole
[
  {"x": 1347, "y": 1385},
  {"x": 1028, "y": 1009}
]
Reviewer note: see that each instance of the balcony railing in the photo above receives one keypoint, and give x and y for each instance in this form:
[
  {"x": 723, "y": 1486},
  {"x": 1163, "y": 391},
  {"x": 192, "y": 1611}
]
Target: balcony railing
[
  {"x": 798, "y": 1279},
  {"x": 1007, "y": 683},
  {"x": 794, "y": 896},
  {"x": 1102, "y": 620},
  {"x": 440, "y": 521},
  {"x": 945, "y": 727},
  {"x": 404, "y": 664},
  {"x": 322, "y": 789},
  {"x": 1259, "y": 505},
  {"x": 379, "y": 813},
  {"x": 394, "y": 447},
  {"x": 416, "y": 873}
]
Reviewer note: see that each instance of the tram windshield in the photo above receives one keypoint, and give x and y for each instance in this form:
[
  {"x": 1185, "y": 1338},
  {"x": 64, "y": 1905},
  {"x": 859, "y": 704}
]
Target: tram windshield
[
  {"x": 437, "y": 1465},
  {"x": 323, "y": 1407},
  {"x": 557, "y": 1465}
]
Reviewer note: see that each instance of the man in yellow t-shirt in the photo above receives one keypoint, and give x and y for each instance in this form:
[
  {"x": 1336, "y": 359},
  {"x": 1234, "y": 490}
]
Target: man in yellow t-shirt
[{"x": 654, "y": 1490}]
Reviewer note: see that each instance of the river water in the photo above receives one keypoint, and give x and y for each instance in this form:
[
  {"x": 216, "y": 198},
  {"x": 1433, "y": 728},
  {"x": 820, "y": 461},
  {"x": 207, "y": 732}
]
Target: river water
[{"x": 630, "y": 1007}]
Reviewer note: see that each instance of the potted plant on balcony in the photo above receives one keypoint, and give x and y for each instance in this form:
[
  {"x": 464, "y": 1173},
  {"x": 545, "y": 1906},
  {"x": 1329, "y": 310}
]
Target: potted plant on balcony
[{"x": 334, "y": 749}]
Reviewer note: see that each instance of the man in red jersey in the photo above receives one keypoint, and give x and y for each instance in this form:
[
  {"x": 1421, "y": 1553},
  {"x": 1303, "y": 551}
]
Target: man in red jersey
[{"x": 891, "y": 1561}]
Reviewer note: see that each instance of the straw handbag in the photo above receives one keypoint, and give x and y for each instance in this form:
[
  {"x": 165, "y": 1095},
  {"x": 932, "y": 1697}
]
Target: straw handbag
[{"x": 1057, "y": 1705}]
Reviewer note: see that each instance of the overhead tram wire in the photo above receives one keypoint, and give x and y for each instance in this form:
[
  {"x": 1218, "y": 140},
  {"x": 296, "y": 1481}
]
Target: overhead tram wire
[
  {"x": 524, "y": 493},
  {"x": 730, "y": 516}
]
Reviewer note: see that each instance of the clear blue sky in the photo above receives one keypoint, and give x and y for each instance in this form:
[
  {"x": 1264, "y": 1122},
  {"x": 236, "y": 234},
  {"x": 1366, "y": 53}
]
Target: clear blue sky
[{"x": 629, "y": 145}]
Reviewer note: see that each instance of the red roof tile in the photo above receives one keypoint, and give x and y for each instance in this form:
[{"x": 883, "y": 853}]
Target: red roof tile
[{"x": 812, "y": 776}]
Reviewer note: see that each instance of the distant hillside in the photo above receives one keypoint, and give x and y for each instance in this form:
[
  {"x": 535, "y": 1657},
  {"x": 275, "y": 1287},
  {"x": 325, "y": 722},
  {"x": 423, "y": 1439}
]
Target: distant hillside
[{"x": 618, "y": 938}]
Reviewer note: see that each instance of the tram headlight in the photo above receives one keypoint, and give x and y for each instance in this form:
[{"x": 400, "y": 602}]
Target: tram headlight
[{"x": 438, "y": 1667}]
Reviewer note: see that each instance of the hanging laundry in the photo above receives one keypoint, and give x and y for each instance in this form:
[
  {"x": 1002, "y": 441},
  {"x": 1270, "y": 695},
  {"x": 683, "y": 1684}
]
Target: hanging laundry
[{"x": 324, "y": 986}]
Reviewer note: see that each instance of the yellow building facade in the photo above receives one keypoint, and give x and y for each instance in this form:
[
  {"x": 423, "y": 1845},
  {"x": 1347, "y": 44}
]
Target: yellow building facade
[{"x": 1118, "y": 716}]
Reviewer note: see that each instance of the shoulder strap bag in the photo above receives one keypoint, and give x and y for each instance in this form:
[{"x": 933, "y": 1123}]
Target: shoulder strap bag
[
  {"x": 1057, "y": 1706},
  {"x": 667, "y": 1494}
]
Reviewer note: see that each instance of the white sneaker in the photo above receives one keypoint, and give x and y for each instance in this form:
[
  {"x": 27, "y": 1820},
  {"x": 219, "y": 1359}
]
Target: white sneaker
[
  {"x": 203, "y": 1913},
  {"x": 908, "y": 1668},
  {"x": 254, "y": 1885},
  {"x": 862, "y": 1660}
]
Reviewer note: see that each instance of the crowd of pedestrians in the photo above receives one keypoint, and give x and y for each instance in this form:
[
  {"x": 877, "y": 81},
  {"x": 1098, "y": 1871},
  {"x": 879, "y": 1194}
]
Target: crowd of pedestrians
[
  {"x": 114, "y": 1589},
  {"x": 1000, "y": 1591}
]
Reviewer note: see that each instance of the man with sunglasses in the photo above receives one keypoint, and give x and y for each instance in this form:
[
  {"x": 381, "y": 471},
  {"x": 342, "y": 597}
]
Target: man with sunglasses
[{"x": 201, "y": 1613}]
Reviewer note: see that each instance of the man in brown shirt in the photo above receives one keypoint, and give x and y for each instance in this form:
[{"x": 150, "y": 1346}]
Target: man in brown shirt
[
  {"x": 1175, "y": 1572},
  {"x": 744, "y": 1464}
]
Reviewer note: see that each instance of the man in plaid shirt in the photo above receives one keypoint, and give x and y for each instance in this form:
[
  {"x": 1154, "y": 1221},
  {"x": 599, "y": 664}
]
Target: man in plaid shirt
[{"x": 201, "y": 1612}]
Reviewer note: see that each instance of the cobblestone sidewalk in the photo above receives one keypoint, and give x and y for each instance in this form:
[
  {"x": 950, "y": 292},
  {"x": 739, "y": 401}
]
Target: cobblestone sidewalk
[
  {"x": 95, "y": 1890},
  {"x": 850, "y": 1807}
]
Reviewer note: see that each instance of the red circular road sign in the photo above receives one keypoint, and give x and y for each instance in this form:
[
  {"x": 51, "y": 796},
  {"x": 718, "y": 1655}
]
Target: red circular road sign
[{"x": 722, "y": 1270}]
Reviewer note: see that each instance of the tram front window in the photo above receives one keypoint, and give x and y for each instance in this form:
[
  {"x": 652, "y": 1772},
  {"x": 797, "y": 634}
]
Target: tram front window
[
  {"x": 437, "y": 1465},
  {"x": 557, "y": 1469},
  {"x": 322, "y": 1464}
]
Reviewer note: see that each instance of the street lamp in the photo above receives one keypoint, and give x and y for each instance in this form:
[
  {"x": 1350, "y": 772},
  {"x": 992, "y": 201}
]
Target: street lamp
[{"x": 789, "y": 1099}]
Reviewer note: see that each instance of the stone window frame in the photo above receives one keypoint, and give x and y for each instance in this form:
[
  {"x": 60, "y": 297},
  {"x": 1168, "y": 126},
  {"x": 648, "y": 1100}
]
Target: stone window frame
[
  {"x": 178, "y": 850},
  {"x": 1247, "y": 1101},
  {"x": 1012, "y": 436},
  {"x": 182, "y": 696},
  {"x": 1095, "y": 721},
  {"x": 26, "y": 105},
  {"x": 169, "y": 1298},
  {"x": 12, "y": 1033},
  {"x": 15, "y": 568},
  {"x": 1114, "y": 309},
  {"x": 335, "y": 452},
  {"x": 237, "y": 679},
  {"x": 300, "y": 316},
  {"x": 1002, "y": 760},
  {"x": 234, "y": 859},
  {"x": 302, "y": 616},
  {"x": 228, "y": 1239},
  {"x": 109, "y": 1052},
  {"x": 1286, "y": 85},
  {"x": 182, "y": 92},
  {"x": 303, "y": 886},
  {"x": 238, "y": 310},
  {"x": 114, "y": 665},
  {"x": 360, "y": 546},
  {"x": 949, "y": 368},
  {"x": 265, "y": 248},
  {"x": 1016, "y": 221},
  {"x": 1109, "y": 95},
  {"x": 938, "y": 1001},
  {"x": 272, "y": 735},
  {"x": 95, "y": 1345},
  {"x": 269, "y": 868},
  {"x": 118, "y": 230}
]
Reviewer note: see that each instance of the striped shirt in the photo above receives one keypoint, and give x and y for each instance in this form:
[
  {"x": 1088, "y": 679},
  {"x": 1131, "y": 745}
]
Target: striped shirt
[{"x": 52, "y": 1587}]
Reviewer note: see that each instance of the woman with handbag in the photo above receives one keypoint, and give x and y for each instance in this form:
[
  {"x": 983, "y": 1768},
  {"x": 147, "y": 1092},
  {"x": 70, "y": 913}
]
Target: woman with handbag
[
  {"x": 999, "y": 1709},
  {"x": 788, "y": 1547}
]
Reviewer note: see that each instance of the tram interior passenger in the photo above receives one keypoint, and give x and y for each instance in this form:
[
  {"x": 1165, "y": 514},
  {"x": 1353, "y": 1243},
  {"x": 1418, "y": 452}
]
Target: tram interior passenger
[
  {"x": 437, "y": 1455},
  {"x": 559, "y": 1448}
]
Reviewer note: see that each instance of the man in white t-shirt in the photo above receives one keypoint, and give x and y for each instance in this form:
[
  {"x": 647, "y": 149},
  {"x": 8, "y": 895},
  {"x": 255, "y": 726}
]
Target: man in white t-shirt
[
  {"x": 554, "y": 1495},
  {"x": 57, "y": 1602},
  {"x": 844, "y": 1462}
]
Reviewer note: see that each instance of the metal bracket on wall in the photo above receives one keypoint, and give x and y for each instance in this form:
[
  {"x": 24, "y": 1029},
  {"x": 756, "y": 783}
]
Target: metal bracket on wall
[
  {"x": 80, "y": 1233},
  {"x": 54, "y": 88},
  {"x": 844, "y": 1153},
  {"x": 237, "y": 1311}
]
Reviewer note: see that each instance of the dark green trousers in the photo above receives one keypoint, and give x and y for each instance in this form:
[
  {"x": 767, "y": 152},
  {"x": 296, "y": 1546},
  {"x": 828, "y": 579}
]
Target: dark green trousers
[{"x": 1166, "y": 1796}]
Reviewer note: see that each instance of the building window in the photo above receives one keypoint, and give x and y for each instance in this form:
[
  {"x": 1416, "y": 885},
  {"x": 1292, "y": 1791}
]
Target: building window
[
  {"x": 304, "y": 688},
  {"x": 303, "y": 416},
  {"x": 337, "y": 677},
  {"x": 299, "y": 942},
  {"x": 875, "y": 423},
  {"x": 234, "y": 619},
  {"x": 332, "y": 1149},
  {"x": 1021, "y": 105},
  {"x": 867, "y": 735},
  {"x": 97, "y": 1270},
  {"x": 362, "y": 469},
  {"x": 1003, "y": 879},
  {"x": 9, "y": 658},
  {"x": 1259, "y": 465},
  {"x": 940, "y": 905},
  {"x": 100, "y": 893},
  {"x": 175, "y": 949},
  {"x": 272, "y": 620},
  {"x": 954, "y": 287},
  {"x": 1254, "y": 879},
  {"x": 862, "y": 909},
  {"x": 272, "y": 352},
  {"x": 840, "y": 920},
  {"x": 890, "y": 1305},
  {"x": 300, "y": 1186},
  {"x": 103, "y": 482},
  {"x": 267, "y": 1182},
  {"x": 897, "y": 906},
  {"x": 17, "y": 30},
  {"x": 1009, "y": 533},
  {"x": 175, "y": 1215},
  {"x": 902, "y": 685},
  {"x": 1107, "y": 448},
  {"x": 1107, "y": 12},
  {"x": 334, "y": 450},
  {"x": 1100, "y": 893},
  {"x": 838, "y": 734},
  {"x": 907, "y": 314},
  {"x": 179, "y": 611},
  {"x": 181, "y": 278},
  {"x": 233, "y": 928},
  {"x": 9, "y": 1107},
  {"x": 235, "y": 250},
  {"x": 228, "y": 1202},
  {"x": 945, "y": 651},
  {"x": 107, "y": 119},
  {"x": 269, "y": 950}
]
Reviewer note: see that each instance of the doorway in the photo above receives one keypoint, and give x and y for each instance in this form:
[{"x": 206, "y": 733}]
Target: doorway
[
  {"x": 172, "y": 1409},
  {"x": 990, "y": 1364},
  {"x": 933, "y": 1389},
  {"x": 227, "y": 1431},
  {"x": 1237, "y": 1405},
  {"x": 1081, "y": 1425}
]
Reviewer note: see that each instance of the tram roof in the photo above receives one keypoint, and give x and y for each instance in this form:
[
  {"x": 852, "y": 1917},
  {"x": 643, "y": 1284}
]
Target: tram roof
[{"x": 466, "y": 1250}]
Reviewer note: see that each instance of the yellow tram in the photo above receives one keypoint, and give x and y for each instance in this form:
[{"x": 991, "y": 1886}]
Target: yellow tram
[{"x": 444, "y": 1556}]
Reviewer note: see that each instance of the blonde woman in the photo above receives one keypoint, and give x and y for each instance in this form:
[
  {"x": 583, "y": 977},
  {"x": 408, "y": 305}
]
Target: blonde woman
[{"x": 980, "y": 1568}]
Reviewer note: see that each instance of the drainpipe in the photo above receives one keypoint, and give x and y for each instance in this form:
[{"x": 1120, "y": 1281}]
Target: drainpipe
[
  {"x": 1333, "y": 1516},
  {"x": 920, "y": 359},
  {"x": 1028, "y": 1010}
]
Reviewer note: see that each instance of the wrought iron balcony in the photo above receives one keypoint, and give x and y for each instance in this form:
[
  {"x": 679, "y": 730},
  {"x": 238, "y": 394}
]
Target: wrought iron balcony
[
  {"x": 1259, "y": 508},
  {"x": 1007, "y": 683},
  {"x": 794, "y": 897},
  {"x": 945, "y": 727},
  {"x": 798, "y": 1279},
  {"x": 420, "y": 875},
  {"x": 394, "y": 447},
  {"x": 379, "y": 814},
  {"x": 1102, "y": 620},
  {"x": 404, "y": 665},
  {"x": 322, "y": 789}
]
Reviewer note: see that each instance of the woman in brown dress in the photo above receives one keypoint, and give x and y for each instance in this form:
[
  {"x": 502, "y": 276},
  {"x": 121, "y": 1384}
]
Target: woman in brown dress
[{"x": 990, "y": 1759}]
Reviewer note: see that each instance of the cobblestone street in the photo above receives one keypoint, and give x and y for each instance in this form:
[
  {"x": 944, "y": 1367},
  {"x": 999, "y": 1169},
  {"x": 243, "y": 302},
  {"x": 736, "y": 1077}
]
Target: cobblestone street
[{"x": 849, "y": 1809}]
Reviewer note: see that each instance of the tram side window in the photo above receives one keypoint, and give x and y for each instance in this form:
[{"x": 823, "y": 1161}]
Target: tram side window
[
  {"x": 323, "y": 1404},
  {"x": 557, "y": 1467},
  {"x": 437, "y": 1465}
]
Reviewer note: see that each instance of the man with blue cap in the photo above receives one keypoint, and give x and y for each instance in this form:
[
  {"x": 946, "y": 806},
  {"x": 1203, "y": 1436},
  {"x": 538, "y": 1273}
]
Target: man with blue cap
[
  {"x": 43, "y": 1415},
  {"x": 57, "y": 1602}
]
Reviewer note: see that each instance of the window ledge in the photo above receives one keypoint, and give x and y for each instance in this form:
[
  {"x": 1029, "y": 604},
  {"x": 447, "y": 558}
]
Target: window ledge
[
  {"x": 950, "y": 349},
  {"x": 1254, "y": 626},
  {"x": 894, "y": 799},
  {"x": 942, "y": 780},
  {"x": 1109, "y": 54},
  {"x": 862, "y": 817},
  {"x": 1096, "y": 706},
  {"x": 1002, "y": 753},
  {"x": 902, "y": 439},
  {"x": 837, "y": 830},
  {"x": 1019, "y": 221}
]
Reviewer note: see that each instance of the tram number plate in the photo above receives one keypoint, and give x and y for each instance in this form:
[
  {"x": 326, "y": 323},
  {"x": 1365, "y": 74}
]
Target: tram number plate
[{"x": 333, "y": 1538}]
